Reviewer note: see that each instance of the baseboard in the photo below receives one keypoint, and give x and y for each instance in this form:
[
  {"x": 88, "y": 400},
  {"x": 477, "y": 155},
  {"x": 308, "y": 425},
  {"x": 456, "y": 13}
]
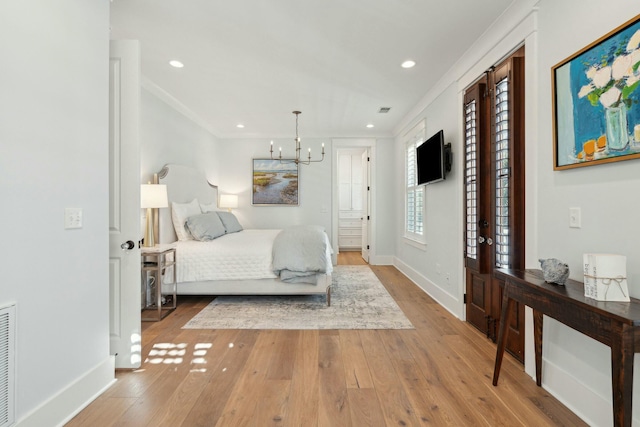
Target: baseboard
[
  {"x": 381, "y": 260},
  {"x": 446, "y": 300},
  {"x": 68, "y": 402},
  {"x": 591, "y": 407}
]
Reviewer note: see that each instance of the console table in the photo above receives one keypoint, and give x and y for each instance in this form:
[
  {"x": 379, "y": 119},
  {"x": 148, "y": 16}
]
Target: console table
[{"x": 615, "y": 324}]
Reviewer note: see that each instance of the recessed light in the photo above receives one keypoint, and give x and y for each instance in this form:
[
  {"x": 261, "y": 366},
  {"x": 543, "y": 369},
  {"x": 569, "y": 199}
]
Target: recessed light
[
  {"x": 240, "y": 126},
  {"x": 370, "y": 125},
  {"x": 176, "y": 64},
  {"x": 408, "y": 64}
]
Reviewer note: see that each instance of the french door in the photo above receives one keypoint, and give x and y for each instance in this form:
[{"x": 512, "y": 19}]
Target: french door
[{"x": 494, "y": 195}]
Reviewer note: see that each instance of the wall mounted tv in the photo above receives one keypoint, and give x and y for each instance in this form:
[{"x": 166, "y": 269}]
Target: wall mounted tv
[{"x": 433, "y": 159}]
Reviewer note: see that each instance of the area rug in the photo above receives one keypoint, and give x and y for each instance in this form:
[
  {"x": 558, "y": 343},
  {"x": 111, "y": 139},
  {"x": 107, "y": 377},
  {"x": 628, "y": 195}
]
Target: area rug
[{"x": 358, "y": 301}]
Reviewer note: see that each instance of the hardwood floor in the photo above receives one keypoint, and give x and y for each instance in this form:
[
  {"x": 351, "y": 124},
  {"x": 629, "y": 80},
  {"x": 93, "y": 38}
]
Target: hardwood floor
[
  {"x": 351, "y": 258},
  {"x": 437, "y": 374}
]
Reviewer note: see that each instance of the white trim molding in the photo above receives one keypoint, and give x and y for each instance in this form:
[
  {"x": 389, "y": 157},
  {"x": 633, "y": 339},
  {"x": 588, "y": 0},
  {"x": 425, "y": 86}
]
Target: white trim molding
[
  {"x": 69, "y": 401},
  {"x": 446, "y": 300}
]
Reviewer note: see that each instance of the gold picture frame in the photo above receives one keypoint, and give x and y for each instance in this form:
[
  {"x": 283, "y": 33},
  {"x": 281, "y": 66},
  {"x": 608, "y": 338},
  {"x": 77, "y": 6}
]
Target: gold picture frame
[{"x": 596, "y": 107}]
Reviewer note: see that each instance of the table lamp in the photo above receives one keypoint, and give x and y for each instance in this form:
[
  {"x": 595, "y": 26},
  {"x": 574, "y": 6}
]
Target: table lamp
[
  {"x": 152, "y": 196},
  {"x": 229, "y": 201}
]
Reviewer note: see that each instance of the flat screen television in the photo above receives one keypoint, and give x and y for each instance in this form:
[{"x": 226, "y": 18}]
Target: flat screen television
[{"x": 433, "y": 159}]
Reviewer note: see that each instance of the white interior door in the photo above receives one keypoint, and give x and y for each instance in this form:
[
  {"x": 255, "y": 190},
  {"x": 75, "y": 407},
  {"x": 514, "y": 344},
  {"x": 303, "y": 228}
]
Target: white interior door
[
  {"x": 124, "y": 204},
  {"x": 366, "y": 204}
]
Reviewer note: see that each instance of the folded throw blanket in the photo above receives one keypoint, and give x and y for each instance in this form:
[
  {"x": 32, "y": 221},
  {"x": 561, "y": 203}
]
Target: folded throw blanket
[{"x": 300, "y": 252}]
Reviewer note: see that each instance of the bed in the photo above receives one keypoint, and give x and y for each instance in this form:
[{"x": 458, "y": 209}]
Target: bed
[{"x": 240, "y": 262}]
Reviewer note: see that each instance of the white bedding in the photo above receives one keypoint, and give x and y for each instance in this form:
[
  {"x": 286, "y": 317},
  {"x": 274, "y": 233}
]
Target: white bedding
[
  {"x": 235, "y": 256},
  {"x": 300, "y": 252}
]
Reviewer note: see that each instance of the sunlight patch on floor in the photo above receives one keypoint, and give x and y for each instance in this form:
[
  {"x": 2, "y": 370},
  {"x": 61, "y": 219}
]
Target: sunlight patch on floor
[{"x": 175, "y": 354}]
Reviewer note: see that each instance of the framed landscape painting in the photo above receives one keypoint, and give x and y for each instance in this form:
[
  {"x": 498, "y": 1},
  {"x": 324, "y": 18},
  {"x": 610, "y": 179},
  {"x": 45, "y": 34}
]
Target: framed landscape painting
[
  {"x": 596, "y": 109},
  {"x": 275, "y": 183}
]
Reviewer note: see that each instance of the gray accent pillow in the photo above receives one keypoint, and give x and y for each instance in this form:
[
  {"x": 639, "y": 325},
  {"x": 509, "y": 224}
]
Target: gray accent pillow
[
  {"x": 205, "y": 227},
  {"x": 230, "y": 222}
]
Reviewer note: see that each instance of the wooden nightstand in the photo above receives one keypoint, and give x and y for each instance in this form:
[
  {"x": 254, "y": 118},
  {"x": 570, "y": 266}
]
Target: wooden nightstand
[{"x": 157, "y": 303}]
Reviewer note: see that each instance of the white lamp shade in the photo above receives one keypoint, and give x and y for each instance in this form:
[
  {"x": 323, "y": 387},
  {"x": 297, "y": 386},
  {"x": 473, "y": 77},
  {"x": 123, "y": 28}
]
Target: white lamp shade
[
  {"x": 153, "y": 196},
  {"x": 229, "y": 201}
]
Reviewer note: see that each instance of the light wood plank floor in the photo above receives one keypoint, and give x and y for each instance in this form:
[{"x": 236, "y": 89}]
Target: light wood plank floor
[{"x": 438, "y": 374}]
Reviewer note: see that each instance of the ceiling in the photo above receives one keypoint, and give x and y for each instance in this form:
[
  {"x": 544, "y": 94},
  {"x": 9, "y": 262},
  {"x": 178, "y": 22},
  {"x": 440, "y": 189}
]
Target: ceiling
[{"x": 338, "y": 61}]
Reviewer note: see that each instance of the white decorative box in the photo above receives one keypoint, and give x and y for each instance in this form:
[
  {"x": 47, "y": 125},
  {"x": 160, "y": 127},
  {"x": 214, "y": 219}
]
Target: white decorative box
[{"x": 605, "y": 277}]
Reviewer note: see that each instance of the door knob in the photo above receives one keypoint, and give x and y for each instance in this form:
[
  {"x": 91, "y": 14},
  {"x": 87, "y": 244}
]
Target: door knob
[
  {"x": 128, "y": 245},
  {"x": 480, "y": 239},
  {"x": 489, "y": 241}
]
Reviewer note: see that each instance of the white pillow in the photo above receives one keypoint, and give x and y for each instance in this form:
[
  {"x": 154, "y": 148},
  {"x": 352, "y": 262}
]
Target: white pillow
[
  {"x": 208, "y": 207},
  {"x": 179, "y": 214}
]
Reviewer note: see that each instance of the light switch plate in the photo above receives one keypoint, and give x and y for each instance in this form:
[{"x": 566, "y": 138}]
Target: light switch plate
[
  {"x": 575, "y": 218},
  {"x": 72, "y": 218}
]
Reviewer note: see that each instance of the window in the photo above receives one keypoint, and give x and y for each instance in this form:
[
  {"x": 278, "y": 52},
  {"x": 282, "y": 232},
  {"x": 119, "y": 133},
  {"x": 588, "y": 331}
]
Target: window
[
  {"x": 471, "y": 176},
  {"x": 502, "y": 177},
  {"x": 414, "y": 207},
  {"x": 494, "y": 168}
]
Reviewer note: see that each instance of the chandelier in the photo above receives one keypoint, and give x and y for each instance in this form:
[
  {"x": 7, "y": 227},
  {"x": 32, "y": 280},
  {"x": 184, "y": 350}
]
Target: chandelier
[{"x": 298, "y": 159}]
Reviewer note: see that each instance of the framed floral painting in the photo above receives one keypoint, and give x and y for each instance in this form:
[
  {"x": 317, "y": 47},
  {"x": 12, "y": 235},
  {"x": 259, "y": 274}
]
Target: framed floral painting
[{"x": 596, "y": 108}]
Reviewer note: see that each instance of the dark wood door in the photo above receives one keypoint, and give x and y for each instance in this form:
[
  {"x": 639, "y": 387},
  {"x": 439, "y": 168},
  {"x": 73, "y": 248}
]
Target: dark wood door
[
  {"x": 478, "y": 257},
  {"x": 494, "y": 195}
]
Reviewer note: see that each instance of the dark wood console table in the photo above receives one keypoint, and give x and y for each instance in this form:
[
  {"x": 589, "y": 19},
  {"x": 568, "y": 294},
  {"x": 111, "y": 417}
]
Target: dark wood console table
[{"x": 615, "y": 324}]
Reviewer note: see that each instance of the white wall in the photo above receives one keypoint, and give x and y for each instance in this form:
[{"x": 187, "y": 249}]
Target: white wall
[
  {"x": 168, "y": 136},
  {"x": 384, "y": 200},
  {"x": 54, "y": 154},
  {"x": 429, "y": 266},
  {"x": 234, "y": 166},
  {"x": 576, "y": 369}
]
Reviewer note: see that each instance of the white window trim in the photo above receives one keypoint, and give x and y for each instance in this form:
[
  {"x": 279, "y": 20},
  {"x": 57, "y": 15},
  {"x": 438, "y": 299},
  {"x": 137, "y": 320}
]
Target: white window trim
[
  {"x": 414, "y": 137},
  {"x": 416, "y": 244}
]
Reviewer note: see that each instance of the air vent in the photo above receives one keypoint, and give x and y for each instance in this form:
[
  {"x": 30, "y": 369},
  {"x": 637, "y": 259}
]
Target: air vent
[
  {"x": 7, "y": 365},
  {"x": 384, "y": 110}
]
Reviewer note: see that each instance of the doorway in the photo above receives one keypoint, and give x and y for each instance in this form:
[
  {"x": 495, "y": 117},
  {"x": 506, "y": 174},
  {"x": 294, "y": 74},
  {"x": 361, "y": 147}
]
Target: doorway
[
  {"x": 353, "y": 197},
  {"x": 351, "y": 209},
  {"x": 495, "y": 195}
]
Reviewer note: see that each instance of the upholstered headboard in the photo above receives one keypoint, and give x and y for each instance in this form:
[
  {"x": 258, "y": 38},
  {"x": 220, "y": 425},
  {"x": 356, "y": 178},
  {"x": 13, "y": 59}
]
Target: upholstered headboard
[{"x": 184, "y": 183}]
